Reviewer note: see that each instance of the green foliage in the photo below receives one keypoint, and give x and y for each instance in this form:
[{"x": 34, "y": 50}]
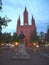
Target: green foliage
[
  {"x": 44, "y": 42},
  {"x": 33, "y": 36},
  {"x": 4, "y": 20},
  {"x": 15, "y": 37},
  {"x": 6, "y": 38},
  {"x": 47, "y": 35},
  {"x": 0, "y": 37},
  {"x": 0, "y": 5}
]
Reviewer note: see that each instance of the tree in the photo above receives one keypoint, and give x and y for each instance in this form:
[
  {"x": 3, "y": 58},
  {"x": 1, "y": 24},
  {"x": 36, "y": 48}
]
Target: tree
[
  {"x": 6, "y": 37},
  {"x": 0, "y": 5},
  {"x": 33, "y": 36},
  {"x": 47, "y": 35},
  {"x": 3, "y": 21},
  {"x": 42, "y": 36},
  {"x": 15, "y": 37}
]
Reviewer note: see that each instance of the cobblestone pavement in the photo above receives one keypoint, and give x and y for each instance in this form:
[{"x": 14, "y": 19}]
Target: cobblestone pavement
[{"x": 36, "y": 58}]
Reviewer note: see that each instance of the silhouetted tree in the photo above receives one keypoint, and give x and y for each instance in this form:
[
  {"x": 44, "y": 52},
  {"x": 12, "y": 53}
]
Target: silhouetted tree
[
  {"x": 3, "y": 21},
  {"x": 47, "y": 35},
  {"x": 33, "y": 36},
  {"x": 6, "y": 37},
  {"x": 42, "y": 36},
  {"x": 0, "y": 5},
  {"x": 15, "y": 37}
]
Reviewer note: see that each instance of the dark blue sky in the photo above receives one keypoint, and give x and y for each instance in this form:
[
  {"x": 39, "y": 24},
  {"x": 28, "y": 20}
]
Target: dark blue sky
[{"x": 38, "y": 8}]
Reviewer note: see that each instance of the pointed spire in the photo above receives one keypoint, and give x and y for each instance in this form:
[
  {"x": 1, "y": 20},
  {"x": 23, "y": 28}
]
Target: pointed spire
[
  {"x": 18, "y": 21},
  {"x": 25, "y": 8},
  {"x": 32, "y": 17},
  {"x": 25, "y": 17},
  {"x": 33, "y": 21}
]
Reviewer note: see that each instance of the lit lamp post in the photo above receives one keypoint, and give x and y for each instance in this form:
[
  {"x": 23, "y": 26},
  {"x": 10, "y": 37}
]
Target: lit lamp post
[{"x": 21, "y": 54}]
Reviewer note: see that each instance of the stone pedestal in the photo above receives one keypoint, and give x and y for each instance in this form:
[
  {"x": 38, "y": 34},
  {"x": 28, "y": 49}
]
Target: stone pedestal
[{"x": 21, "y": 54}]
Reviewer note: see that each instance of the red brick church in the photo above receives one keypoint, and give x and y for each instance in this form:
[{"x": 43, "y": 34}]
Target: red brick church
[{"x": 26, "y": 28}]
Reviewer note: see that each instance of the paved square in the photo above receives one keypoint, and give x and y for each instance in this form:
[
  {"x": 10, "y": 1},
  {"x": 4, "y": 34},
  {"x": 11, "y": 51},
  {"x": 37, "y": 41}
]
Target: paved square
[{"x": 36, "y": 58}]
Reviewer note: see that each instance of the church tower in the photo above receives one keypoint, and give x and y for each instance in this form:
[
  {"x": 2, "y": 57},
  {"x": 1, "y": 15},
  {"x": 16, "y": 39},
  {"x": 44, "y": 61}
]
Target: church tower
[
  {"x": 26, "y": 28},
  {"x": 25, "y": 17}
]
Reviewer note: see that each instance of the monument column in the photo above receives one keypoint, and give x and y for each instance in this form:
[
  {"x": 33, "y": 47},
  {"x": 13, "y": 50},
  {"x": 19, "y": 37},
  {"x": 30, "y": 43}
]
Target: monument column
[{"x": 21, "y": 54}]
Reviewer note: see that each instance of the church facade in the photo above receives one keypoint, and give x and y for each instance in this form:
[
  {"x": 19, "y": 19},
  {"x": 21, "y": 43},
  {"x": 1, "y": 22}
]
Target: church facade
[{"x": 26, "y": 28}]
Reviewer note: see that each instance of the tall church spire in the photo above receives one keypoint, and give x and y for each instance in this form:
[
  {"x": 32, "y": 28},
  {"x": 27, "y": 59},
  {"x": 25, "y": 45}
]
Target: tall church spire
[
  {"x": 25, "y": 17},
  {"x": 33, "y": 23},
  {"x": 25, "y": 8},
  {"x": 18, "y": 21}
]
